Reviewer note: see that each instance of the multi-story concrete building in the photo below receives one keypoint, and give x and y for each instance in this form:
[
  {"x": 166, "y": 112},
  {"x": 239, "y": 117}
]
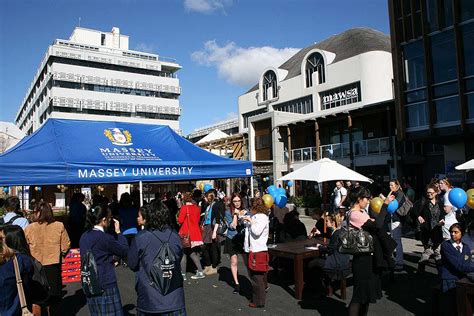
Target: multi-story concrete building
[
  {"x": 95, "y": 76},
  {"x": 433, "y": 63},
  {"x": 331, "y": 99},
  {"x": 230, "y": 127}
]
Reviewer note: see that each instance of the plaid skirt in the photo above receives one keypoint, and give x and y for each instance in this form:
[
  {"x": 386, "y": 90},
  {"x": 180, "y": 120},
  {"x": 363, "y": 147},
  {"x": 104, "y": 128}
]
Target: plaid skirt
[
  {"x": 107, "y": 304},
  {"x": 179, "y": 312}
]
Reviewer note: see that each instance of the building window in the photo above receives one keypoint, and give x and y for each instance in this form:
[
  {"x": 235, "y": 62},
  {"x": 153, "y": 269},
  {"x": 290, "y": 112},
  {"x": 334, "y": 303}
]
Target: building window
[
  {"x": 248, "y": 115},
  {"x": 263, "y": 141},
  {"x": 467, "y": 9},
  {"x": 443, "y": 55},
  {"x": 447, "y": 110},
  {"x": 414, "y": 65},
  {"x": 315, "y": 63},
  {"x": 431, "y": 15},
  {"x": 417, "y": 115},
  {"x": 302, "y": 105},
  {"x": 470, "y": 105},
  {"x": 468, "y": 43},
  {"x": 269, "y": 85},
  {"x": 102, "y": 39}
]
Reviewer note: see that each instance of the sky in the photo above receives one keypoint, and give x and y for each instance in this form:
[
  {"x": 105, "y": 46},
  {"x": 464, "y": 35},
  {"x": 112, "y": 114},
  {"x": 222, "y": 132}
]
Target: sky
[{"x": 222, "y": 45}]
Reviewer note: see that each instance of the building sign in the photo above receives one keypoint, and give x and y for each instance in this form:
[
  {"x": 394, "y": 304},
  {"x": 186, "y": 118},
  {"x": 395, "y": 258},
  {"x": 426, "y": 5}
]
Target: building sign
[{"x": 340, "y": 96}]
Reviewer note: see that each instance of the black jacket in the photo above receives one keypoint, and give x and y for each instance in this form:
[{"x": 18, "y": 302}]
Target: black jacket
[{"x": 384, "y": 245}]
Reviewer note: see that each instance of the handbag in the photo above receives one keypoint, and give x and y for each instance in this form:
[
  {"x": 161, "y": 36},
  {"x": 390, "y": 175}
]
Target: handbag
[
  {"x": 222, "y": 227},
  {"x": 19, "y": 286},
  {"x": 258, "y": 261},
  {"x": 355, "y": 241},
  {"x": 186, "y": 240},
  {"x": 405, "y": 208}
]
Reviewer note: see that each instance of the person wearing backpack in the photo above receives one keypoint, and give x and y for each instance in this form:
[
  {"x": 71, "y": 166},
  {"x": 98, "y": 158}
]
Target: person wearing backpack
[
  {"x": 13, "y": 215},
  {"x": 155, "y": 255},
  {"x": 97, "y": 251}
]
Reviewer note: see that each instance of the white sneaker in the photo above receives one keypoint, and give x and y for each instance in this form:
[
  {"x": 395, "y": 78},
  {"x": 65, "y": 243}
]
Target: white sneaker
[
  {"x": 198, "y": 275},
  {"x": 184, "y": 276},
  {"x": 211, "y": 271},
  {"x": 206, "y": 269}
]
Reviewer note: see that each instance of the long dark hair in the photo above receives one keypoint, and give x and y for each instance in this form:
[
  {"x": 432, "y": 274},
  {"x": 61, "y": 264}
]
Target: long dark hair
[
  {"x": 361, "y": 194},
  {"x": 15, "y": 239},
  {"x": 45, "y": 213},
  {"x": 95, "y": 215},
  {"x": 156, "y": 215}
]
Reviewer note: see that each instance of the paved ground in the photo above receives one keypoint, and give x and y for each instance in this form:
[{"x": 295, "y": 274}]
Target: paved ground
[{"x": 408, "y": 294}]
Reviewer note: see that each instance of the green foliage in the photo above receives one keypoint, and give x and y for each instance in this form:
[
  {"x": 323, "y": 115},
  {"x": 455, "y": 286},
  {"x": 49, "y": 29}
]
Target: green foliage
[{"x": 298, "y": 201}]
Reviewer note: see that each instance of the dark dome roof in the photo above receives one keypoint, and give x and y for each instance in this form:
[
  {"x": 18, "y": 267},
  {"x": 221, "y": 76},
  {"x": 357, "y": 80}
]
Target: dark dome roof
[{"x": 347, "y": 44}]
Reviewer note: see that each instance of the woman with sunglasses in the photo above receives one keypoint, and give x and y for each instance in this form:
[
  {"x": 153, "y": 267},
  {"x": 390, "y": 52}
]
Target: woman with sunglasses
[
  {"x": 429, "y": 218},
  {"x": 234, "y": 239}
]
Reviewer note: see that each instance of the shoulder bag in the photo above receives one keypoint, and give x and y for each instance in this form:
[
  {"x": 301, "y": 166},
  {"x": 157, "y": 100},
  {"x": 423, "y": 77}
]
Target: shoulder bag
[
  {"x": 405, "y": 208},
  {"x": 19, "y": 286},
  {"x": 355, "y": 241},
  {"x": 186, "y": 240},
  {"x": 258, "y": 261}
]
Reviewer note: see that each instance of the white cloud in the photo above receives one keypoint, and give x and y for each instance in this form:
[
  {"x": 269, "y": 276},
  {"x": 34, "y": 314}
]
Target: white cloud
[
  {"x": 143, "y": 47},
  {"x": 241, "y": 66},
  {"x": 206, "y": 6}
]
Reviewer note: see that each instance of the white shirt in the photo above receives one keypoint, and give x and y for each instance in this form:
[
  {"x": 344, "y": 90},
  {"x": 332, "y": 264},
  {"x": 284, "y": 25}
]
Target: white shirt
[
  {"x": 339, "y": 194},
  {"x": 22, "y": 222},
  {"x": 257, "y": 232},
  {"x": 98, "y": 227},
  {"x": 449, "y": 220},
  {"x": 455, "y": 245}
]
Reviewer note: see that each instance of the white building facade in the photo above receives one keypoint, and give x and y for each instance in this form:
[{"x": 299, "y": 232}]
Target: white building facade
[
  {"x": 94, "y": 76},
  {"x": 319, "y": 104}
]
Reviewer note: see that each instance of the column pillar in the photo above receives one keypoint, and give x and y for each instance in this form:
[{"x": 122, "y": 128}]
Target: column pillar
[{"x": 351, "y": 141}]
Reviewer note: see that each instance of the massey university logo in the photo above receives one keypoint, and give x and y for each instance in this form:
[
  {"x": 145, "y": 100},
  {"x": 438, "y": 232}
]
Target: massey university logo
[{"x": 118, "y": 136}]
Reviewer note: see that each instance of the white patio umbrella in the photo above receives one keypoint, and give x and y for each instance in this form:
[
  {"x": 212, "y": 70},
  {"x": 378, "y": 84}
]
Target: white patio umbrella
[
  {"x": 325, "y": 170},
  {"x": 468, "y": 165}
]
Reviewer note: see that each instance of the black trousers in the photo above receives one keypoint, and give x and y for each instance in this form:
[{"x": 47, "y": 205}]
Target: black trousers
[{"x": 211, "y": 254}]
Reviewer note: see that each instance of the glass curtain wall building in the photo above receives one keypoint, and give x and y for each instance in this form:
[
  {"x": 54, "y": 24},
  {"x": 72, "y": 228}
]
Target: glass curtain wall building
[{"x": 433, "y": 61}]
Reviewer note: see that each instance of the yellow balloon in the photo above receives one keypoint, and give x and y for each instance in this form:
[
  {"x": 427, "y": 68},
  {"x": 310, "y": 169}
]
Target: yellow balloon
[
  {"x": 376, "y": 204},
  {"x": 201, "y": 186},
  {"x": 470, "y": 198},
  {"x": 267, "y": 200}
]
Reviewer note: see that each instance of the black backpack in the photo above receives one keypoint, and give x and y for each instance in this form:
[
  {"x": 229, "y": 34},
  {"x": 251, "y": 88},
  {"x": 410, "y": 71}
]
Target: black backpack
[
  {"x": 10, "y": 222},
  {"x": 89, "y": 275},
  {"x": 165, "y": 272}
]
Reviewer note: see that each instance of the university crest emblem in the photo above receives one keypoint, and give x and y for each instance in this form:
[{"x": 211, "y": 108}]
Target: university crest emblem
[{"x": 118, "y": 136}]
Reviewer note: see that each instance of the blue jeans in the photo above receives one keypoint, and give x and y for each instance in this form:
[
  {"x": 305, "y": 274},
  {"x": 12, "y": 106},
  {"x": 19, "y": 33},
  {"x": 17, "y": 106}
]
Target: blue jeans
[{"x": 397, "y": 236}]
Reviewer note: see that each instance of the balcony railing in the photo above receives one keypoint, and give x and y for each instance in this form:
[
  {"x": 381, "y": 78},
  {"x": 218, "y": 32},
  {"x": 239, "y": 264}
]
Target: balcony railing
[{"x": 368, "y": 147}]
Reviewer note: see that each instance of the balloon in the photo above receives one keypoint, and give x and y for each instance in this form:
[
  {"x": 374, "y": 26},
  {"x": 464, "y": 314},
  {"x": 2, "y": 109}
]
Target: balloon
[
  {"x": 272, "y": 190},
  {"x": 5, "y": 189},
  {"x": 201, "y": 186},
  {"x": 207, "y": 187},
  {"x": 376, "y": 204},
  {"x": 281, "y": 191},
  {"x": 290, "y": 183},
  {"x": 457, "y": 197},
  {"x": 470, "y": 198},
  {"x": 38, "y": 189},
  {"x": 392, "y": 207},
  {"x": 281, "y": 200},
  {"x": 267, "y": 200}
]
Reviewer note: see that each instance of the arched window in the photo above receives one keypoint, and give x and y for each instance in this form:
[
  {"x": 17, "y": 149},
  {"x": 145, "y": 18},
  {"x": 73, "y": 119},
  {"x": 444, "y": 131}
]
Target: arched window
[
  {"x": 269, "y": 85},
  {"x": 315, "y": 63}
]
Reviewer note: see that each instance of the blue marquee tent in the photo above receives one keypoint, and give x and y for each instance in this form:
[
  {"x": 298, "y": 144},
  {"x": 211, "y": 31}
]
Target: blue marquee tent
[{"x": 86, "y": 152}]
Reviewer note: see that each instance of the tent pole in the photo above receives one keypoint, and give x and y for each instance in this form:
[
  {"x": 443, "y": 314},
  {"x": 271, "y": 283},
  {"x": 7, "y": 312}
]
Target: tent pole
[
  {"x": 140, "y": 184},
  {"x": 251, "y": 186}
]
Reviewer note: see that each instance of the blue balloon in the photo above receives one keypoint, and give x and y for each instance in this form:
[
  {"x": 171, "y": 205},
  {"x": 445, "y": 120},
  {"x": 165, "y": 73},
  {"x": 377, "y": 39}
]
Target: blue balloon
[
  {"x": 281, "y": 200},
  {"x": 272, "y": 190},
  {"x": 281, "y": 191},
  {"x": 5, "y": 190},
  {"x": 457, "y": 197},
  {"x": 290, "y": 183},
  {"x": 207, "y": 187},
  {"x": 392, "y": 207}
]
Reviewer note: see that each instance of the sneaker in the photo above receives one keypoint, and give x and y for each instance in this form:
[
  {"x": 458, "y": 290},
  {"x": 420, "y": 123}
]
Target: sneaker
[
  {"x": 206, "y": 269},
  {"x": 236, "y": 289},
  {"x": 211, "y": 271},
  {"x": 267, "y": 289},
  {"x": 184, "y": 276},
  {"x": 198, "y": 275}
]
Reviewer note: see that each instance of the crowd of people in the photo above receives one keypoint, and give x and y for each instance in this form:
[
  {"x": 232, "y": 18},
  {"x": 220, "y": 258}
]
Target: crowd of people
[{"x": 157, "y": 240}]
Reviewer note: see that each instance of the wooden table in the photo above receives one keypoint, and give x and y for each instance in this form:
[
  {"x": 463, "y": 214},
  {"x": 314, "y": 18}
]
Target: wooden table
[
  {"x": 296, "y": 250},
  {"x": 464, "y": 296}
]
